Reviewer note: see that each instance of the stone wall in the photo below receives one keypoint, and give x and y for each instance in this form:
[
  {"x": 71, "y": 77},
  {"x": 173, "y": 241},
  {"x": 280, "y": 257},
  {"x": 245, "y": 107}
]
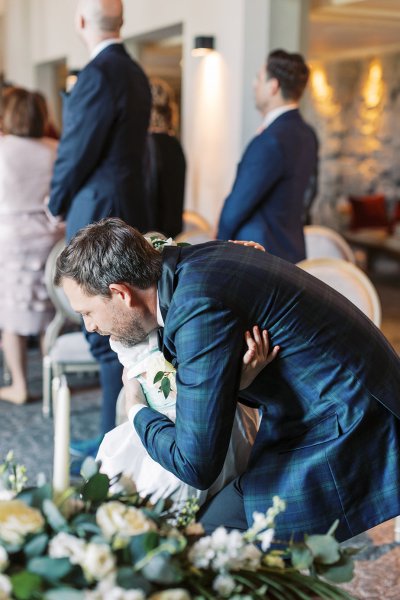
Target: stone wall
[{"x": 354, "y": 106}]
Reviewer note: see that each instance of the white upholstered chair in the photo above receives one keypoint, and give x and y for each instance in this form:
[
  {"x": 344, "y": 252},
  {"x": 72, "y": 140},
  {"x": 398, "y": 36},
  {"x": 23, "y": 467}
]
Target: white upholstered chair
[
  {"x": 64, "y": 353},
  {"x": 323, "y": 242},
  {"x": 349, "y": 280},
  {"x": 193, "y": 221}
]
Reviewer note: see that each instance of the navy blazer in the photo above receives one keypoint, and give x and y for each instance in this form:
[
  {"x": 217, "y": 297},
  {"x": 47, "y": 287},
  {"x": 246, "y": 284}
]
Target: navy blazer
[
  {"x": 329, "y": 439},
  {"x": 267, "y": 201},
  {"x": 100, "y": 162}
]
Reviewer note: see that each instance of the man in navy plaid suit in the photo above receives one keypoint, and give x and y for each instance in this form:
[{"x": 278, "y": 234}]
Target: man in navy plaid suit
[{"x": 328, "y": 441}]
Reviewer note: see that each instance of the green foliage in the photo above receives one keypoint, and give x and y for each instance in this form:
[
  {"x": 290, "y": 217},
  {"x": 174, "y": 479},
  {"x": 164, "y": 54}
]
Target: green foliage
[
  {"x": 25, "y": 585},
  {"x": 159, "y": 554}
]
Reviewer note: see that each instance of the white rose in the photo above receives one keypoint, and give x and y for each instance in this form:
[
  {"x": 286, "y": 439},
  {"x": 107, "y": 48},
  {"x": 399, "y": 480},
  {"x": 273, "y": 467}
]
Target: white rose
[
  {"x": 117, "y": 519},
  {"x": 3, "y": 559},
  {"x": 17, "y": 520},
  {"x": 158, "y": 363},
  {"x": 98, "y": 561},
  {"x": 6, "y": 494},
  {"x": 224, "y": 585},
  {"x": 172, "y": 594},
  {"x": 5, "y": 587},
  {"x": 66, "y": 545}
]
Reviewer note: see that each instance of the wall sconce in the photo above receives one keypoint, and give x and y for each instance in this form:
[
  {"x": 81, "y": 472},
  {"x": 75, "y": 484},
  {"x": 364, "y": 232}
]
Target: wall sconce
[{"x": 203, "y": 44}]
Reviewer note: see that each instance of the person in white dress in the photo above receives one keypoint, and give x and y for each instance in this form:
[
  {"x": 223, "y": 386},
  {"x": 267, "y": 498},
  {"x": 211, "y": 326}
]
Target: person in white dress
[
  {"x": 122, "y": 450},
  {"x": 27, "y": 232}
]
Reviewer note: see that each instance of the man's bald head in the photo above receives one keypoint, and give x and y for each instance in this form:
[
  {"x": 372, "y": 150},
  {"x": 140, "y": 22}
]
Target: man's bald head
[{"x": 102, "y": 16}]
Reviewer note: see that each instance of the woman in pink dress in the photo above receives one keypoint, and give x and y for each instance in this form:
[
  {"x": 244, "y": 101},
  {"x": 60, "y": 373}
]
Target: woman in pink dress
[{"x": 27, "y": 233}]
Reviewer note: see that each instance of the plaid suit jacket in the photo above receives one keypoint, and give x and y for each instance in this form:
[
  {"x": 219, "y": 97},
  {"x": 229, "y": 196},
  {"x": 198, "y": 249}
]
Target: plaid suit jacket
[{"x": 328, "y": 442}]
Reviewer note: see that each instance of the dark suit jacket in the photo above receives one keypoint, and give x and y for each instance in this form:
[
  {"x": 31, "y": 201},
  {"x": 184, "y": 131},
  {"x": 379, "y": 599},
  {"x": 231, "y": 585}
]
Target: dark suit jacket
[
  {"x": 165, "y": 179},
  {"x": 267, "y": 200},
  {"x": 99, "y": 168},
  {"x": 328, "y": 442}
]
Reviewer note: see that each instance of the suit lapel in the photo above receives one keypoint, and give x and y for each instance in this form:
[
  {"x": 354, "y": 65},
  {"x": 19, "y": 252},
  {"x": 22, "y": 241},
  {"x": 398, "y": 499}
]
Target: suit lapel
[{"x": 166, "y": 286}]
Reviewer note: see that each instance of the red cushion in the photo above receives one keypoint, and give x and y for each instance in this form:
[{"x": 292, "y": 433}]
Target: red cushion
[{"x": 368, "y": 211}]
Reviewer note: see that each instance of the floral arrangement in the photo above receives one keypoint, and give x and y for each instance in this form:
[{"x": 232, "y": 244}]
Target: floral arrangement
[{"x": 90, "y": 544}]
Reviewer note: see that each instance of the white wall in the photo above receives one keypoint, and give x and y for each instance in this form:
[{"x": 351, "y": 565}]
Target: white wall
[{"x": 217, "y": 107}]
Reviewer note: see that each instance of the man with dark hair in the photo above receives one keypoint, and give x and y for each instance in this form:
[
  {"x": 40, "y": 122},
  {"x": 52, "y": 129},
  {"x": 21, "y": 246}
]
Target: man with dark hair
[
  {"x": 329, "y": 437},
  {"x": 276, "y": 178},
  {"x": 99, "y": 168}
]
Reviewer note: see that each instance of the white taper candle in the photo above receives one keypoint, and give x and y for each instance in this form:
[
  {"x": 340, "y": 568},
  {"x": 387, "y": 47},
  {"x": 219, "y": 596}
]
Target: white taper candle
[{"x": 61, "y": 438}]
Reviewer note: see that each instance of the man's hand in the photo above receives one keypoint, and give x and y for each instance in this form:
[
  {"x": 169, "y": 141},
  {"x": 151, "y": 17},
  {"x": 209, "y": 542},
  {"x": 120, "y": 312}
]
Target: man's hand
[
  {"x": 256, "y": 357},
  {"x": 133, "y": 393},
  {"x": 255, "y": 245}
]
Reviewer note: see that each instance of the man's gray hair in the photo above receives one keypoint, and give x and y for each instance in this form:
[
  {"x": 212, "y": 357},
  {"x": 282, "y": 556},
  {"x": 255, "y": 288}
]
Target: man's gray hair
[{"x": 107, "y": 252}]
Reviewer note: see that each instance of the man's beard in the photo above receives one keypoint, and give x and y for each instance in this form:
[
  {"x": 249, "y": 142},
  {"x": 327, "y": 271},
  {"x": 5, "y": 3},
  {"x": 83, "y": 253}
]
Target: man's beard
[{"x": 131, "y": 333}]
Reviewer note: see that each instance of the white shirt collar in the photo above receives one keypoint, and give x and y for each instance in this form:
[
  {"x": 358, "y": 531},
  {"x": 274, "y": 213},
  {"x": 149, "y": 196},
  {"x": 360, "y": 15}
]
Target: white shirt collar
[
  {"x": 160, "y": 320},
  {"x": 272, "y": 115},
  {"x": 104, "y": 44}
]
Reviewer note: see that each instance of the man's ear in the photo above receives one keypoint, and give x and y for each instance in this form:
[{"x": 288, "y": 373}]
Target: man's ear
[
  {"x": 123, "y": 292},
  {"x": 274, "y": 85}
]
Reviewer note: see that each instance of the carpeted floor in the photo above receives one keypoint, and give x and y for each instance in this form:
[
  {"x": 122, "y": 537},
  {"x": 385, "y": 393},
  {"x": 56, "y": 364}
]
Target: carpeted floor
[{"x": 29, "y": 434}]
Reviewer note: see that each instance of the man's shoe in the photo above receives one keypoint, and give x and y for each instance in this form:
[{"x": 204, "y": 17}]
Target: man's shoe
[{"x": 83, "y": 448}]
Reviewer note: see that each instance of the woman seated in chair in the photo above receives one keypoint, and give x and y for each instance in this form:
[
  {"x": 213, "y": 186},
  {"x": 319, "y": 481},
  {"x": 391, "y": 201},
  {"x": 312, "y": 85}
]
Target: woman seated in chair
[{"x": 26, "y": 232}]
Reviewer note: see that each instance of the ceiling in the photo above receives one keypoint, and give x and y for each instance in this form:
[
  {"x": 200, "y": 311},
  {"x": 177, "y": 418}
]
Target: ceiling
[{"x": 349, "y": 28}]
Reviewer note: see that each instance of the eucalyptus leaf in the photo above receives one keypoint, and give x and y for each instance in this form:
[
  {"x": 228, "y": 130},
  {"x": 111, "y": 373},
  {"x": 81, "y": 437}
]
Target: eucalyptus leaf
[
  {"x": 89, "y": 467},
  {"x": 96, "y": 489},
  {"x": 64, "y": 593},
  {"x": 129, "y": 580},
  {"x": 301, "y": 557},
  {"x": 158, "y": 376},
  {"x": 141, "y": 545},
  {"x": 55, "y": 519},
  {"x": 325, "y": 548},
  {"x": 340, "y": 572},
  {"x": 25, "y": 585},
  {"x": 36, "y": 546},
  {"x": 165, "y": 386},
  {"x": 51, "y": 569},
  {"x": 161, "y": 569}
]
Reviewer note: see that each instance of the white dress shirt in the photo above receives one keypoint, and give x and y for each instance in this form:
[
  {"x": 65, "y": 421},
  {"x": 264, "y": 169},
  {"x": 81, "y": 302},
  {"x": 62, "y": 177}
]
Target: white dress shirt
[
  {"x": 104, "y": 44},
  {"x": 272, "y": 115}
]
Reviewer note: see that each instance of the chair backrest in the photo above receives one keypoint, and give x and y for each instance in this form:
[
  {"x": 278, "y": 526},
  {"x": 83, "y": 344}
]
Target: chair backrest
[
  {"x": 349, "y": 280},
  {"x": 192, "y": 220},
  {"x": 56, "y": 294},
  {"x": 323, "y": 242},
  {"x": 194, "y": 236}
]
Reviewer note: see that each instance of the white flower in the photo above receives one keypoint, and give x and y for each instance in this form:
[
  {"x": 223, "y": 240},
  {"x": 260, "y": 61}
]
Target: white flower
[
  {"x": 117, "y": 519},
  {"x": 17, "y": 520},
  {"x": 266, "y": 538},
  {"x": 66, "y": 545},
  {"x": 225, "y": 551},
  {"x": 6, "y": 494},
  {"x": 224, "y": 585},
  {"x": 172, "y": 594},
  {"x": 3, "y": 559},
  {"x": 107, "y": 590},
  {"x": 98, "y": 561},
  {"x": 5, "y": 587}
]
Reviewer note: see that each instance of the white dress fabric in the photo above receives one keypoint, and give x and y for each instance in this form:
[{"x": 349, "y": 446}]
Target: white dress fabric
[
  {"x": 122, "y": 450},
  {"x": 27, "y": 233}
]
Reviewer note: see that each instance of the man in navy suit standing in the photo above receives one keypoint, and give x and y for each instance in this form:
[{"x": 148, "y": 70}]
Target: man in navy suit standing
[
  {"x": 278, "y": 172},
  {"x": 99, "y": 168}
]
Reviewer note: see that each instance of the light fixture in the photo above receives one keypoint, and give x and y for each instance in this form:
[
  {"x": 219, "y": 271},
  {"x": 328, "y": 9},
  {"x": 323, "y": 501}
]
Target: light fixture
[{"x": 203, "y": 44}]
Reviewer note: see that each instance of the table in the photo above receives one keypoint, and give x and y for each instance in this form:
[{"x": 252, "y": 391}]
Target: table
[{"x": 375, "y": 242}]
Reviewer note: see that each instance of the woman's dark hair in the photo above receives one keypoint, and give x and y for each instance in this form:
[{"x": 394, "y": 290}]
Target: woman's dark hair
[
  {"x": 291, "y": 71},
  {"x": 23, "y": 114},
  {"x": 107, "y": 252}
]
